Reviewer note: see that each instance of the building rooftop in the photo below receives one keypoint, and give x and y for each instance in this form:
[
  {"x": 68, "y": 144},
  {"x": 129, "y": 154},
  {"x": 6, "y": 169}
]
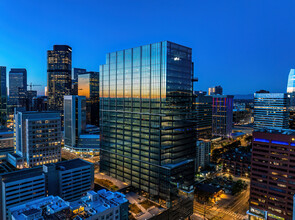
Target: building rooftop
[
  {"x": 276, "y": 131},
  {"x": 70, "y": 164},
  {"x": 21, "y": 174},
  {"x": 52, "y": 204},
  {"x": 270, "y": 95},
  {"x": 90, "y": 136},
  {"x": 53, "y": 207},
  {"x": 6, "y": 132}
]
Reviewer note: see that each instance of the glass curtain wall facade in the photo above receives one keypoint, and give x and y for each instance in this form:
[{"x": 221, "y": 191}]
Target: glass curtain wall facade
[
  {"x": 59, "y": 80},
  {"x": 271, "y": 110},
  {"x": 17, "y": 87},
  {"x": 88, "y": 84},
  {"x": 147, "y": 135},
  {"x": 203, "y": 115},
  {"x": 3, "y": 96},
  {"x": 76, "y": 73},
  {"x": 74, "y": 119}
]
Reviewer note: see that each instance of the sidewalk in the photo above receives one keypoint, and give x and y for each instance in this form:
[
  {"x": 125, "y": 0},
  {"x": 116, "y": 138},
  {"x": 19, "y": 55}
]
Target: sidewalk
[{"x": 118, "y": 183}]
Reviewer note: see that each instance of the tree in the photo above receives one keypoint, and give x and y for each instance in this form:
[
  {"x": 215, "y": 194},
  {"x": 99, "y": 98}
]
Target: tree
[{"x": 238, "y": 187}]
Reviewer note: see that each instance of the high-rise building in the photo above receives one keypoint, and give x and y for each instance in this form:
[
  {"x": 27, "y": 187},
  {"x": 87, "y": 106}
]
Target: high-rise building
[
  {"x": 74, "y": 119},
  {"x": 203, "y": 153},
  {"x": 59, "y": 79},
  {"x": 203, "y": 115},
  {"x": 291, "y": 88},
  {"x": 147, "y": 135},
  {"x": 20, "y": 187},
  {"x": 271, "y": 110},
  {"x": 88, "y": 86},
  {"x": 40, "y": 103},
  {"x": 222, "y": 115},
  {"x": 17, "y": 87},
  {"x": 217, "y": 90},
  {"x": 292, "y": 120},
  {"x": 38, "y": 137},
  {"x": 291, "y": 81},
  {"x": 272, "y": 174},
  {"x": 3, "y": 96},
  {"x": 76, "y": 73},
  {"x": 29, "y": 102}
]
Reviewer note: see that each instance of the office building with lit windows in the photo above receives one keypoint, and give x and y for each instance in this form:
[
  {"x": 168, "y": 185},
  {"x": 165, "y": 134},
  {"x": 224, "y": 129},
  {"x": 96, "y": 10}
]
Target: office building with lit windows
[
  {"x": 76, "y": 72},
  {"x": 203, "y": 149},
  {"x": 69, "y": 179},
  {"x": 37, "y": 138},
  {"x": 59, "y": 75},
  {"x": 216, "y": 90},
  {"x": 3, "y": 96},
  {"x": 147, "y": 135},
  {"x": 88, "y": 86},
  {"x": 271, "y": 110},
  {"x": 272, "y": 174},
  {"x": 203, "y": 115},
  {"x": 222, "y": 115},
  {"x": 74, "y": 119},
  {"x": 17, "y": 87}
]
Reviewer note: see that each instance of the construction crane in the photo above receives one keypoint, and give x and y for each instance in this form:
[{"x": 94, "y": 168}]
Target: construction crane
[{"x": 31, "y": 85}]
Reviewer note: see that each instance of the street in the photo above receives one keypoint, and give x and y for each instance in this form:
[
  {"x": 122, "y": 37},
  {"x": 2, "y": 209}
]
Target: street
[{"x": 228, "y": 208}]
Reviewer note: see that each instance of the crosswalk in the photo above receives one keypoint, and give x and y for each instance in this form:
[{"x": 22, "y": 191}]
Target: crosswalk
[{"x": 217, "y": 214}]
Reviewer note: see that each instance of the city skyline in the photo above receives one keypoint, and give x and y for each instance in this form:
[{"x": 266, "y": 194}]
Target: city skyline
[{"x": 245, "y": 42}]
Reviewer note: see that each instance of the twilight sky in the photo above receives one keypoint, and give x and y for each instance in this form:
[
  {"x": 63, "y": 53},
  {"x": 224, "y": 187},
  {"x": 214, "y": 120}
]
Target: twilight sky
[{"x": 242, "y": 45}]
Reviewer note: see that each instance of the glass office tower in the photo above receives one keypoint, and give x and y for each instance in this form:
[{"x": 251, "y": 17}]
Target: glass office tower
[
  {"x": 76, "y": 73},
  {"x": 222, "y": 115},
  {"x": 147, "y": 135},
  {"x": 271, "y": 110},
  {"x": 59, "y": 80},
  {"x": 3, "y": 96},
  {"x": 17, "y": 87},
  {"x": 88, "y": 84},
  {"x": 74, "y": 119}
]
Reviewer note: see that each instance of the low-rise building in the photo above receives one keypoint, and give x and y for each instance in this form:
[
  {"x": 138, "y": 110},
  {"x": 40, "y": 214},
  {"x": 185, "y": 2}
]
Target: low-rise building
[
  {"x": 237, "y": 163},
  {"x": 6, "y": 140},
  {"x": 70, "y": 179},
  {"x": 101, "y": 205},
  {"x": 19, "y": 187}
]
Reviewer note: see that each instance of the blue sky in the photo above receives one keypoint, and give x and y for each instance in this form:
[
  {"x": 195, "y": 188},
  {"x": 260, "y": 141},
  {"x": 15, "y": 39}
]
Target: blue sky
[{"x": 243, "y": 45}]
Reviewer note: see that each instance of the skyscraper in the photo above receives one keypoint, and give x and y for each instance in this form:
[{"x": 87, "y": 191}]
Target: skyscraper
[
  {"x": 217, "y": 90},
  {"x": 271, "y": 110},
  {"x": 147, "y": 136},
  {"x": 29, "y": 100},
  {"x": 59, "y": 79},
  {"x": 76, "y": 73},
  {"x": 272, "y": 174},
  {"x": 37, "y": 137},
  {"x": 74, "y": 119},
  {"x": 291, "y": 82},
  {"x": 3, "y": 96},
  {"x": 17, "y": 87},
  {"x": 222, "y": 115},
  {"x": 203, "y": 115},
  {"x": 291, "y": 88},
  {"x": 88, "y": 85}
]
